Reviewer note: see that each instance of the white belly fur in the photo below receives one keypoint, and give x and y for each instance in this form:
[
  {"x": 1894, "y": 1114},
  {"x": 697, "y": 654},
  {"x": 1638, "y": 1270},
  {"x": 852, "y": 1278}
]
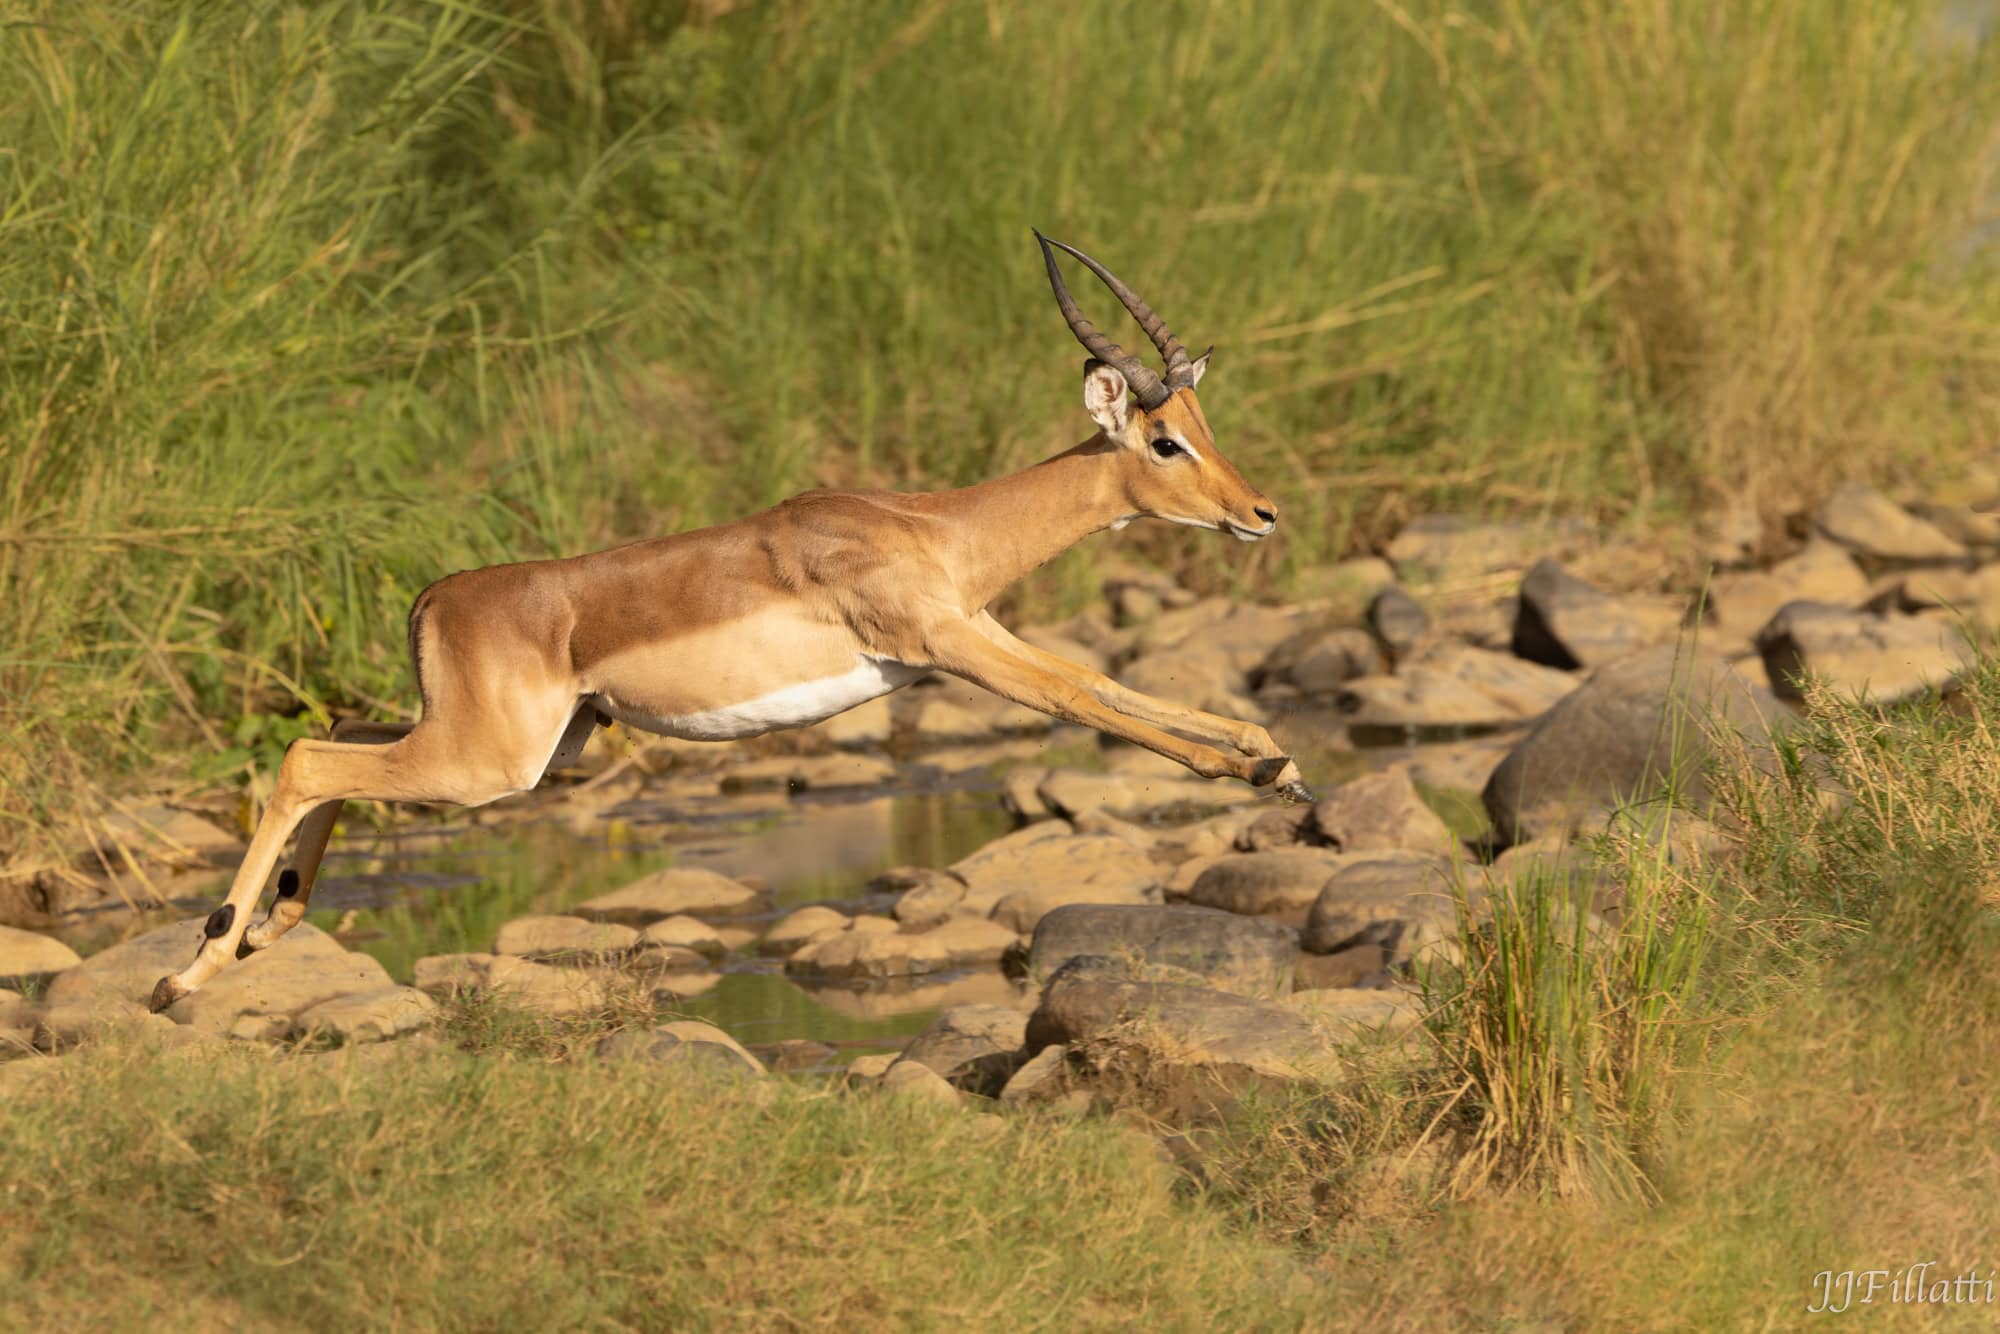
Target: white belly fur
[{"x": 793, "y": 706}]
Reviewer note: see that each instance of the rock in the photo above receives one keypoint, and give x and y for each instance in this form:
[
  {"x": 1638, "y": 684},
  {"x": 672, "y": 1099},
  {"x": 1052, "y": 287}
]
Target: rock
[
  {"x": 1244, "y": 955},
  {"x": 1971, "y": 594},
  {"x": 1346, "y": 1013},
  {"x": 1375, "y": 813},
  {"x": 791, "y": 1055},
  {"x": 649, "y": 960},
  {"x": 870, "y": 723},
  {"x": 1455, "y": 686},
  {"x": 669, "y": 987},
  {"x": 1450, "y": 547},
  {"x": 369, "y": 1016},
  {"x": 670, "y": 893},
  {"x": 1279, "y": 885},
  {"x": 1400, "y": 903},
  {"x": 973, "y": 1047},
  {"x": 1019, "y": 792},
  {"x": 1630, "y": 725},
  {"x": 1739, "y": 605},
  {"x": 912, "y": 1079},
  {"x": 1275, "y": 830},
  {"x": 994, "y": 713},
  {"x": 538, "y": 987},
  {"x": 873, "y": 924},
  {"x": 1051, "y": 867},
  {"x": 870, "y": 954},
  {"x": 1075, "y": 792},
  {"x": 801, "y": 926},
  {"x": 1355, "y": 968},
  {"x": 538, "y": 936},
  {"x": 1398, "y": 620},
  {"x": 933, "y": 900},
  {"x": 27, "y": 957},
  {"x": 1886, "y": 658},
  {"x": 1202, "y": 674},
  {"x": 1193, "y": 1026},
  {"x": 1039, "y": 1078},
  {"x": 1563, "y": 622},
  {"x": 796, "y": 773},
  {"x": 1139, "y": 837},
  {"x": 305, "y": 967},
  {"x": 869, "y": 1069},
  {"x": 74, "y": 1021},
  {"x": 973, "y": 940},
  {"x": 1865, "y": 521},
  {"x": 688, "y": 1040},
  {"x": 686, "y": 933},
  {"x": 1961, "y": 523},
  {"x": 1320, "y": 660}
]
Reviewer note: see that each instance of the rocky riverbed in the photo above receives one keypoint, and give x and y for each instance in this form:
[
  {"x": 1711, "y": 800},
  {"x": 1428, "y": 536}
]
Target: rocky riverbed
[{"x": 988, "y": 906}]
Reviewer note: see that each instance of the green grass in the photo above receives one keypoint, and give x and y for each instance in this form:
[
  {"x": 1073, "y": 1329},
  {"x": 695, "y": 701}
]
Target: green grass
[{"x": 308, "y": 304}]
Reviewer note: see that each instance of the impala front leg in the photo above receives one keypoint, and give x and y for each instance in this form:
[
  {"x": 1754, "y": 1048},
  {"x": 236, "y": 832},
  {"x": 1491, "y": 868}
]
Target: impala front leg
[
  {"x": 965, "y": 651},
  {"x": 1248, "y": 738}
]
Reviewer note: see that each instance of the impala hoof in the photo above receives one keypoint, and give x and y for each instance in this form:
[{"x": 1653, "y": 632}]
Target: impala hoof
[
  {"x": 166, "y": 991},
  {"x": 1296, "y": 792}
]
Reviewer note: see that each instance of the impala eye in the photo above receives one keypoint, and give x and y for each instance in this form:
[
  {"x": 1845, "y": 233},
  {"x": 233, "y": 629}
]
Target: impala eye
[{"x": 1164, "y": 448}]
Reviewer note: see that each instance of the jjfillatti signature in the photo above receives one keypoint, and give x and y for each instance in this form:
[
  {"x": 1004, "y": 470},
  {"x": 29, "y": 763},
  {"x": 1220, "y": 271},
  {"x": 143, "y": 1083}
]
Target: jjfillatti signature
[{"x": 1835, "y": 1290}]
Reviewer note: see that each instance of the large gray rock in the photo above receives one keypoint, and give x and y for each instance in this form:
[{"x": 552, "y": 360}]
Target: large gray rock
[
  {"x": 1280, "y": 885},
  {"x": 1191, "y": 1026},
  {"x": 974, "y": 1047},
  {"x": 1244, "y": 955},
  {"x": 1375, "y": 813},
  {"x": 1398, "y": 902},
  {"x": 1561, "y": 621},
  {"x": 670, "y": 893},
  {"x": 1887, "y": 658},
  {"x": 1634, "y": 722},
  {"x": 26, "y": 956},
  {"x": 1865, "y": 521},
  {"x": 305, "y": 968}
]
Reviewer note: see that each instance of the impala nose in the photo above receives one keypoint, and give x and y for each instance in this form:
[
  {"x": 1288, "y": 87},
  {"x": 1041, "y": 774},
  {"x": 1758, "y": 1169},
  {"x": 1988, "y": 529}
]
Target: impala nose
[{"x": 1267, "y": 513}]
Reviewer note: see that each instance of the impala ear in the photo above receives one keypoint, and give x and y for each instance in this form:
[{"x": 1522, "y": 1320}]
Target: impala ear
[
  {"x": 1104, "y": 397},
  {"x": 1199, "y": 368}
]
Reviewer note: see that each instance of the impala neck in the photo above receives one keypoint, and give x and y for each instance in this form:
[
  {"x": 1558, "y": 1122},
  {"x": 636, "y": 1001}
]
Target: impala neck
[{"x": 1011, "y": 525}]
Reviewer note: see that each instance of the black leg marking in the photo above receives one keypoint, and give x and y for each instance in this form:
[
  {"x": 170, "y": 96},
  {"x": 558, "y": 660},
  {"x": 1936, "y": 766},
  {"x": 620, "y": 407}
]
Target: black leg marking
[
  {"x": 219, "y": 921},
  {"x": 288, "y": 882}
]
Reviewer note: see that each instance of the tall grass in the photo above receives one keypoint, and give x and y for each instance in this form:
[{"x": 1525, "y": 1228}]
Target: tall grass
[{"x": 308, "y": 303}]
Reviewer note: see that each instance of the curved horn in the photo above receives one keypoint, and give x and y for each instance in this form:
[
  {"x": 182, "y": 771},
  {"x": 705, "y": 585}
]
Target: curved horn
[
  {"x": 1179, "y": 375},
  {"x": 1145, "y": 385}
]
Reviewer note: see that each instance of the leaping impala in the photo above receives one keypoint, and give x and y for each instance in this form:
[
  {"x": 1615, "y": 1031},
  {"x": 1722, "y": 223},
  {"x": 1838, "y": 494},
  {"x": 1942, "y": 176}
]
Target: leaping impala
[{"x": 778, "y": 620}]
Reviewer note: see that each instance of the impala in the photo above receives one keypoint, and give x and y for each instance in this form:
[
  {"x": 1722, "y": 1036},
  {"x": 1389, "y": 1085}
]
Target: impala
[{"x": 778, "y": 620}]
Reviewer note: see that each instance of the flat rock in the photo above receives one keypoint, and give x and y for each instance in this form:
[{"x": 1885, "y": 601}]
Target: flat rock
[
  {"x": 1629, "y": 726},
  {"x": 1343, "y": 1013},
  {"x": 1886, "y": 658},
  {"x": 1398, "y": 902},
  {"x": 929, "y": 898},
  {"x": 1194, "y": 1026},
  {"x": 1740, "y": 604},
  {"x": 973, "y": 940},
  {"x": 1377, "y": 812},
  {"x": 557, "y": 935},
  {"x": 1972, "y": 594},
  {"x": 1280, "y": 885},
  {"x": 1455, "y": 685},
  {"x": 870, "y": 954},
  {"x": 1038, "y": 1078},
  {"x": 1868, "y": 523},
  {"x": 1021, "y": 910},
  {"x": 538, "y": 987},
  {"x": 72, "y": 1022},
  {"x": 914, "y": 1079},
  {"x": 670, "y": 893},
  {"x": 801, "y": 926},
  {"x": 304, "y": 968},
  {"x": 1048, "y": 863},
  {"x": 1248, "y": 956},
  {"x": 689, "y": 1041},
  {"x": 1077, "y": 792},
  {"x": 972, "y": 1047},
  {"x": 688, "y": 933},
  {"x": 369, "y": 1016},
  {"x": 26, "y": 956},
  {"x": 1560, "y": 621}
]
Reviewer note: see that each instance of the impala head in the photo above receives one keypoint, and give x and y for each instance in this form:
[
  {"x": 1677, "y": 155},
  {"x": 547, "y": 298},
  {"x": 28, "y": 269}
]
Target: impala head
[{"x": 1171, "y": 466}]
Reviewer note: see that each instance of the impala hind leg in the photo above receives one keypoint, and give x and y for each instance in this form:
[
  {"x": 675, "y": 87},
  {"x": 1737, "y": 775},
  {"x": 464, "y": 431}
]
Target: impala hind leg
[
  {"x": 432, "y": 763},
  {"x": 295, "y": 882}
]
